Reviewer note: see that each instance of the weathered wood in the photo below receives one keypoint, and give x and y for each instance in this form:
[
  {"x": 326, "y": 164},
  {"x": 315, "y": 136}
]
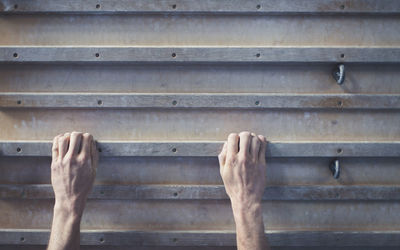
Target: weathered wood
[
  {"x": 236, "y": 7},
  {"x": 201, "y": 54},
  {"x": 204, "y": 192},
  {"x": 208, "y": 238},
  {"x": 202, "y": 148},
  {"x": 210, "y": 101}
]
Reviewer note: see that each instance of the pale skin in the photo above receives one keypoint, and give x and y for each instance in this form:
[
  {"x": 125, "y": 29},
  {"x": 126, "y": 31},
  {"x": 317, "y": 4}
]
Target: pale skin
[
  {"x": 243, "y": 170},
  {"x": 73, "y": 170}
]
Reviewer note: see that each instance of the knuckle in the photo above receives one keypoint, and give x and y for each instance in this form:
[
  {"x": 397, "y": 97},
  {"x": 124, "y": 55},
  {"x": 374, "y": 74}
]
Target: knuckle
[
  {"x": 244, "y": 133},
  {"x": 233, "y": 135}
]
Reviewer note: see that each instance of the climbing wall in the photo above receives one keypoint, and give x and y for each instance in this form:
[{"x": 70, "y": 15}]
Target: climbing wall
[{"x": 161, "y": 83}]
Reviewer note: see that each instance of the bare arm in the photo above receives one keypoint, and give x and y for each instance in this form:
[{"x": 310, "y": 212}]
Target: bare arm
[
  {"x": 243, "y": 170},
  {"x": 73, "y": 169}
]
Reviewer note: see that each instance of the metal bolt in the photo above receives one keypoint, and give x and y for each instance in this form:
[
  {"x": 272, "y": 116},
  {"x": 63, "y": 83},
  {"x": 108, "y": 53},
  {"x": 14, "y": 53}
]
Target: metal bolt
[
  {"x": 334, "y": 167},
  {"x": 339, "y": 74}
]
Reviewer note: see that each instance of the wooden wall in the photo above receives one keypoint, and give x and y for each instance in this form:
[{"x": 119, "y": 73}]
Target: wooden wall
[{"x": 161, "y": 84}]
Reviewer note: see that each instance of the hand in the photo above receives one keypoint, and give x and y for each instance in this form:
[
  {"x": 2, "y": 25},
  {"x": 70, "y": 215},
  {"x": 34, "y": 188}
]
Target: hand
[
  {"x": 73, "y": 170},
  {"x": 243, "y": 168}
]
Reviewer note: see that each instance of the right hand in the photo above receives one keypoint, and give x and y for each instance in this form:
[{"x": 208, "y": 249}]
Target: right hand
[
  {"x": 243, "y": 169},
  {"x": 73, "y": 170}
]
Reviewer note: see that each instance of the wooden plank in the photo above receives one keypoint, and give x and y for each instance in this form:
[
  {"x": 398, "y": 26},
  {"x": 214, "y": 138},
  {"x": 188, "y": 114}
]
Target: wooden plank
[
  {"x": 202, "y": 54},
  {"x": 210, "y": 101},
  {"x": 208, "y": 192},
  {"x": 202, "y": 148},
  {"x": 208, "y": 238},
  {"x": 236, "y": 7}
]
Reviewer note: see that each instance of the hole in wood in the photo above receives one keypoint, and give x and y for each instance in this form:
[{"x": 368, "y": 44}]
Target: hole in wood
[
  {"x": 19, "y": 102},
  {"x": 339, "y": 150},
  {"x": 175, "y": 194},
  {"x": 342, "y": 7},
  {"x": 174, "y": 150},
  {"x": 97, "y": 54},
  {"x": 257, "y": 103},
  {"x": 258, "y": 6},
  {"x": 258, "y": 55},
  {"x": 340, "y": 103},
  {"x": 174, "y": 239},
  {"x": 15, "y": 6},
  {"x": 101, "y": 240},
  {"x": 99, "y": 149},
  {"x": 174, "y": 102},
  {"x": 102, "y": 192},
  {"x": 342, "y": 55},
  {"x": 19, "y": 150},
  {"x": 174, "y": 6},
  {"x": 97, "y": 6},
  {"x": 15, "y": 55},
  {"x": 22, "y": 239},
  {"x": 173, "y": 55},
  {"x": 100, "y": 102}
]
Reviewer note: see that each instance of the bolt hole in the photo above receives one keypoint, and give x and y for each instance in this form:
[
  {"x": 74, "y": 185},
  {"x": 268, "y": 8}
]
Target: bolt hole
[
  {"x": 174, "y": 239},
  {"x": 342, "y": 7},
  {"x": 174, "y": 6},
  {"x": 257, "y": 103},
  {"x": 339, "y": 150},
  {"x": 258, "y": 55},
  {"x": 100, "y": 150},
  {"x": 342, "y": 55},
  {"x": 101, "y": 240},
  {"x": 15, "y": 55},
  {"x": 97, "y": 54},
  {"x": 173, "y": 55},
  {"x": 174, "y": 150},
  {"x": 175, "y": 194},
  {"x": 100, "y": 102},
  {"x": 19, "y": 102},
  {"x": 19, "y": 150},
  {"x": 97, "y": 6},
  {"x": 15, "y": 6},
  {"x": 174, "y": 102},
  {"x": 258, "y": 6},
  {"x": 22, "y": 239},
  {"x": 340, "y": 103}
]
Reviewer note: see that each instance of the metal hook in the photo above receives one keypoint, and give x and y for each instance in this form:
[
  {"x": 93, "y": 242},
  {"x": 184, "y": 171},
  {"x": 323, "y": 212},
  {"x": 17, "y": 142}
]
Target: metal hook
[
  {"x": 339, "y": 74},
  {"x": 335, "y": 168}
]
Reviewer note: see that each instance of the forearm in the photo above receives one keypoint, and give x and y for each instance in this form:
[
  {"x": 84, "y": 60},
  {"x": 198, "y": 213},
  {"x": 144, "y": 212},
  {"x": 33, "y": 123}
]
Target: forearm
[
  {"x": 249, "y": 227},
  {"x": 65, "y": 229}
]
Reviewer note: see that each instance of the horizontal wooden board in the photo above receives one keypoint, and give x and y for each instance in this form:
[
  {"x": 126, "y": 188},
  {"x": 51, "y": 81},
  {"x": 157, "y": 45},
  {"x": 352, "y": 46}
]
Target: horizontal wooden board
[
  {"x": 199, "y": 31},
  {"x": 207, "y": 215},
  {"x": 274, "y": 149},
  {"x": 236, "y": 7},
  {"x": 209, "y": 101},
  {"x": 201, "y": 125},
  {"x": 199, "y": 78},
  {"x": 210, "y": 238},
  {"x": 191, "y": 192},
  {"x": 205, "y": 171},
  {"x": 201, "y": 54}
]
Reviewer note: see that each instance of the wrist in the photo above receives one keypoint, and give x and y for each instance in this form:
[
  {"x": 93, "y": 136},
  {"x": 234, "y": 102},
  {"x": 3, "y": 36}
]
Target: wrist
[
  {"x": 247, "y": 211},
  {"x": 70, "y": 210}
]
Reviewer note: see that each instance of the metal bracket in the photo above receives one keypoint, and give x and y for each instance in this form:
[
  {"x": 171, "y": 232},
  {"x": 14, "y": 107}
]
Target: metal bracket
[
  {"x": 339, "y": 74},
  {"x": 334, "y": 166}
]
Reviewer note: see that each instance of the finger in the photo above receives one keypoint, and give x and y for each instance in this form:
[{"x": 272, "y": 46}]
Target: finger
[
  {"x": 86, "y": 145},
  {"x": 63, "y": 142},
  {"x": 94, "y": 156},
  {"x": 75, "y": 143},
  {"x": 263, "y": 148},
  {"x": 233, "y": 146},
  {"x": 245, "y": 142},
  {"x": 222, "y": 157},
  {"x": 255, "y": 147},
  {"x": 54, "y": 149}
]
